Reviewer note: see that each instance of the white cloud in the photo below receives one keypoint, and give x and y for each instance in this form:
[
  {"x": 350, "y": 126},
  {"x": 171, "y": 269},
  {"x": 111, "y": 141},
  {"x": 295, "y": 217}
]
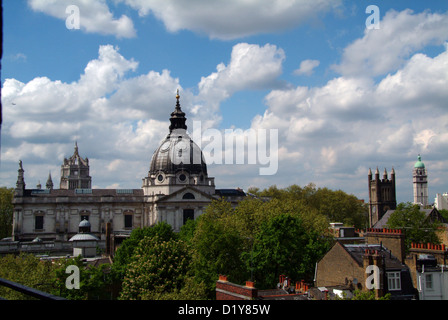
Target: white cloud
[
  {"x": 251, "y": 67},
  {"x": 327, "y": 134},
  {"x": 424, "y": 138},
  {"x": 18, "y": 57},
  {"x": 420, "y": 83},
  {"x": 110, "y": 115},
  {"x": 307, "y": 67},
  {"x": 232, "y": 19},
  {"x": 353, "y": 121},
  {"x": 386, "y": 49},
  {"x": 94, "y": 16}
]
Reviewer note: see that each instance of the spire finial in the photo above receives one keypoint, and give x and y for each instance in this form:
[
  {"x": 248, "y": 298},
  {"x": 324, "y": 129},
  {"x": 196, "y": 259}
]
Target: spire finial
[
  {"x": 49, "y": 183},
  {"x": 76, "y": 148},
  {"x": 178, "y": 116}
]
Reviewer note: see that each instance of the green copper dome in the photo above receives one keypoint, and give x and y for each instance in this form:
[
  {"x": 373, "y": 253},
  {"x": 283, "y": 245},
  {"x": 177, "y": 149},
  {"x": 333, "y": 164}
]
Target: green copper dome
[{"x": 419, "y": 163}]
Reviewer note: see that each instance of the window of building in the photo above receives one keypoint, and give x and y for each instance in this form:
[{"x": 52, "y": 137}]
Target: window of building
[
  {"x": 84, "y": 215},
  {"x": 188, "y": 195},
  {"x": 428, "y": 282},
  {"x": 39, "y": 222},
  {"x": 188, "y": 214},
  {"x": 128, "y": 220},
  {"x": 394, "y": 280}
]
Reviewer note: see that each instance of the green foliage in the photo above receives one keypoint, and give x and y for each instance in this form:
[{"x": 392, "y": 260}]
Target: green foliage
[
  {"x": 259, "y": 239},
  {"x": 217, "y": 245},
  {"x": 28, "y": 270},
  {"x": 444, "y": 213},
  {"x": 61, "y": 276},
  {"x": 188, "y": 229},
  {"x": 278, "y": 248},
  {"x": 284, "y": 246},
  {"x": 125, "y": 251},
  {"x": 418, "y": 228},
  {"x": 337, "y": 206},
  {"x": 95, "y": 282},
  {"x": 6, "y": 211},
  {"x": 368, "y": 295},
  {"x": 158, "y": 267}
]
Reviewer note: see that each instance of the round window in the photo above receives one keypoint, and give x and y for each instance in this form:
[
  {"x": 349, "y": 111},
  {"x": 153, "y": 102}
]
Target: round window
[
  {"x": 160, "y": 177},
  {"x": 182, "y": 177}
]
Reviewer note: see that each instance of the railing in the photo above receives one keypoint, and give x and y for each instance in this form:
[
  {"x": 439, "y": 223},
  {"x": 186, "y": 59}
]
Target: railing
[{"x": 29, "y": 291}]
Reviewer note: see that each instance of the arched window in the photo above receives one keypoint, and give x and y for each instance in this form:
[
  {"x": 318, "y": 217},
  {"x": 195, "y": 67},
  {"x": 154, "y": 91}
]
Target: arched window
[{"x": 188, "y": 195}]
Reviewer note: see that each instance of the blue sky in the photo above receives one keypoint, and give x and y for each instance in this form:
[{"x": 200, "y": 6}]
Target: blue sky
[{"x": 362, "y": 99}]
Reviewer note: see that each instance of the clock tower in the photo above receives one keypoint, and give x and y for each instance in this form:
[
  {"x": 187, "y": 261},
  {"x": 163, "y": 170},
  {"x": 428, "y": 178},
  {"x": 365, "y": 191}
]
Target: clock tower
[{"x": 420, "y": 182}]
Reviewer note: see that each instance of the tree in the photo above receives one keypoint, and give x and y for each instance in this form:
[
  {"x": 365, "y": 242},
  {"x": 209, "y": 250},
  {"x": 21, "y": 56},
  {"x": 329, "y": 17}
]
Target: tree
[
  {"x": 337, "y": 206},
  {"x": 217, "y": 246},
  {"x": 418, "y": 228},
  {"x": 368, "y": 295},
  {"x": 187, "y": 231},
  {"x": 6, "y": 211},
  {"x": 125, "y": 251},
  {"x": 95, "y": 283},
  {"x": 444, "y": 213},
  {"x": 283, "y": 246},
  {"x": 231, "y": 241},
  {"x": 158, "y": 267},
  {"x": 28, "y": 270}
]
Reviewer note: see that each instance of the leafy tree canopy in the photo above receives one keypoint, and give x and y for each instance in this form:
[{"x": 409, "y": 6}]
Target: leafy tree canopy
[
  {"x": 6, "y": 212},
  {"x": 418, "y": 227},
  {"x": 159, "y": 267}
]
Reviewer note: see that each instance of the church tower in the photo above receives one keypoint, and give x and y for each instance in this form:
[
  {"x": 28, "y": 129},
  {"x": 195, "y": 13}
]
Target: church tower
[
  {"x": 75, "y": 172},
  {"x": 381, "y": 195},
  {"x": 420, "y": 181}
]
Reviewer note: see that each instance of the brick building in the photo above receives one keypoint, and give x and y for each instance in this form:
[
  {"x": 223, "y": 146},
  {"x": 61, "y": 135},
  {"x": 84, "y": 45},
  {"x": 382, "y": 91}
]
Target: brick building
[
  {"x": 226, "y": 290},
  {"x": 346, "y": 266}
]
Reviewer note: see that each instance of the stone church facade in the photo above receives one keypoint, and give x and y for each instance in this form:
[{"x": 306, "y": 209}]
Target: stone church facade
[
  {"x": 382, "y": 195},
  {"x": 177, "y": 188}
]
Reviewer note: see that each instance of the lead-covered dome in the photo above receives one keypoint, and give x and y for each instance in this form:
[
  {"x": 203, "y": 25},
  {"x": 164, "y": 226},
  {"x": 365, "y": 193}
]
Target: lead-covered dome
[{"x": 178, "y": 152}]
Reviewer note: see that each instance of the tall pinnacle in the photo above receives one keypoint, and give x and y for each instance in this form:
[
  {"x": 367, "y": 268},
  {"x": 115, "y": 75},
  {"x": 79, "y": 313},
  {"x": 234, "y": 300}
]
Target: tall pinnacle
[{"x": 177, "y": 116}]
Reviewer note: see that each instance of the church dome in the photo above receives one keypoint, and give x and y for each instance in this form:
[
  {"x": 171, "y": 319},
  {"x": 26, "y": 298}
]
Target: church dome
[
  {"x": 84, "y": 224},
  {"x": 419, "y": 163},
  {"x": 178, "y": 152}
]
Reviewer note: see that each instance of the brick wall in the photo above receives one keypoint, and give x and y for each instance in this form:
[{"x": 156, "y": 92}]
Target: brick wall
[
  {"x": 339, "y": 268},
  {"x": 438, "y": 251},
  {"x": 226, "y": 290},
  {"x": 392, "y": 239}
]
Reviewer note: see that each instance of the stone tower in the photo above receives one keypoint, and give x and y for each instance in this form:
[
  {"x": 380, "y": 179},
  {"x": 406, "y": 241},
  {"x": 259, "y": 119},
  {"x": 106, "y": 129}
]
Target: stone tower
[
  {"x": 381, "y": 195},
  {"x": 75, "y": 172},
  {"x": 420, "y": 182}
]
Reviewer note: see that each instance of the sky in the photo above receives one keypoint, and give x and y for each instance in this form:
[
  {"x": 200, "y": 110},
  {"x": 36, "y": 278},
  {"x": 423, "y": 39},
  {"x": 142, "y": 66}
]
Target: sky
[{"x": 345, "y": 85}]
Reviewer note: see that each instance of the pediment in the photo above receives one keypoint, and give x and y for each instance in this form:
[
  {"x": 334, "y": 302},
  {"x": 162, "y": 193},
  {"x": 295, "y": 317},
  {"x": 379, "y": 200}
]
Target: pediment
[{"x": 186, "y": 194}]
